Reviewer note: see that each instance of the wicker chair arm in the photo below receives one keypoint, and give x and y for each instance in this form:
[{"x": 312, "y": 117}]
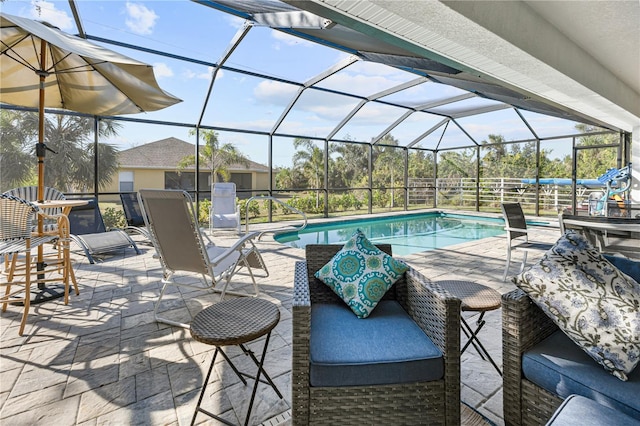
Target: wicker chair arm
[
  {"x": 434, "y": 309},
  {"x": 524, "y": 325},
  {"x": 437, "y": 312},
  {"x": 301, "y": 294},
  {"x": 60, "y": 218},
  {"x": 300, "y": 345}
]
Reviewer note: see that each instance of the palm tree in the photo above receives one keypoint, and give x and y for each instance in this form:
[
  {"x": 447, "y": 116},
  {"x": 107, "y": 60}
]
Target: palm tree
[
  {"x": 216, "y": 157},
  {"x": 389, "y": 164},
  {"x": 16, "y": 163},
  {"x": 285, "y": 178},
  {"x": 310, "y": 160},
  {"x": 71, "y": 168},
  {"x": 354, "y": 162}
]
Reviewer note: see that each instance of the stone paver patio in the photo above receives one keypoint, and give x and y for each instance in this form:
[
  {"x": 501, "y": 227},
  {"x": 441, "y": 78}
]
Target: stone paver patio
[{"x": 103, "y": 359}]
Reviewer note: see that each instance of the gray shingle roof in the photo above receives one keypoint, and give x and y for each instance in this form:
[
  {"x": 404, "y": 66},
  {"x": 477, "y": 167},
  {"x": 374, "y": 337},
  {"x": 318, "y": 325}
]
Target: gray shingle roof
[{"x": 166, "y": 153}]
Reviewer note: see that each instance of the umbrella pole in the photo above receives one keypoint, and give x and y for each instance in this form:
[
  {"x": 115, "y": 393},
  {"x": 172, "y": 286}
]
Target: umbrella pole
[{"x": 40, "y": 152}]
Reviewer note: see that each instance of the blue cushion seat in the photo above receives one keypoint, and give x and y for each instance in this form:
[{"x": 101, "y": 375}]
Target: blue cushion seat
[
  {"x": 578, "y": 410},
  {"x": 562, "y": 368},
  {"x": 387, "y": 347},
  {"x": 628, "y": 266}
]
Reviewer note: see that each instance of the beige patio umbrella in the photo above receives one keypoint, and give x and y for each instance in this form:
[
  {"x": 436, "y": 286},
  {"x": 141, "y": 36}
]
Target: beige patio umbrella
[{"x": 45, "y": 67}]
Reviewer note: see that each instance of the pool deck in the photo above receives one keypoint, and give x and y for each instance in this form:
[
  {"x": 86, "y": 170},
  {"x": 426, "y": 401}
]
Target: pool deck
[{"x": 103, "y": 359}]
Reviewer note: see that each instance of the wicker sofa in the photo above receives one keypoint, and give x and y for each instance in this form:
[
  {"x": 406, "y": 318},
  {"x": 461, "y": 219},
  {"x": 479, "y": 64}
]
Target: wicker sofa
[
  {"x": 531, "y": 395},
  {"x": 405, "y": 401}
]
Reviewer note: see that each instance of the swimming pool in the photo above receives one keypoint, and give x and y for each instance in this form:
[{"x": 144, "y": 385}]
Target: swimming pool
[{"x": 408, "y": 234}]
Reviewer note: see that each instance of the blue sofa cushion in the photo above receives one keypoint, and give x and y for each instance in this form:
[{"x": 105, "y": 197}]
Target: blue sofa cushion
[
  {"x": 628, "y": 266},
  {"x": 578, "y": 410},
  {"x": 562, "y": 368},
  {"x": 387, "y": 347}
]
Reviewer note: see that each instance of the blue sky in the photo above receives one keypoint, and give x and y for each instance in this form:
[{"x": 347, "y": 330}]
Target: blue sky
[{"x": 188, "y": 29}]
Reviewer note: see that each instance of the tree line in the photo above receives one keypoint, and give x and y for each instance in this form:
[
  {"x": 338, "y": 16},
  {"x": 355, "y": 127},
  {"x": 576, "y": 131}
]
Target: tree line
[{"x": 72, "y": 168}]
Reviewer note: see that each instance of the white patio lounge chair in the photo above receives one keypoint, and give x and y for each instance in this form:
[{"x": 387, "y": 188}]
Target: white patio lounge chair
[
  {"x": 176, "y": 235},
  {"x": 225, "y": 213}
]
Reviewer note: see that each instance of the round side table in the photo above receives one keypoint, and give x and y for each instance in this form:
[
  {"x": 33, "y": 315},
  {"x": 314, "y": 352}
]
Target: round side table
[
  {"x": 235, "y": 322},
  {"x": 474, "y": 297}
]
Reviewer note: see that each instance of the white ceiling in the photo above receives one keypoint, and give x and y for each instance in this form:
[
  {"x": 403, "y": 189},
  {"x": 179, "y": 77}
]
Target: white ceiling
[{"x": 582, "y": 56}]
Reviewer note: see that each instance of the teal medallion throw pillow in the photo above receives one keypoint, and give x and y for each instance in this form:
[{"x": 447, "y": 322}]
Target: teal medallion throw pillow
[
  {"x": 360, "y": 273},
  {"x": 589, "y": 299}
]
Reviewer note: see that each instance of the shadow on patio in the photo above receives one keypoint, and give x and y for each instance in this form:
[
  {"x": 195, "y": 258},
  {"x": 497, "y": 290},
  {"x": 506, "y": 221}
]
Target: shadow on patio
[{"x": 103, "y": 358}]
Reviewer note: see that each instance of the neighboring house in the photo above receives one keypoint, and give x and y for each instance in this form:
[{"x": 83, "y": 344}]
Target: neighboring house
[{"x": 155, "y": 165}]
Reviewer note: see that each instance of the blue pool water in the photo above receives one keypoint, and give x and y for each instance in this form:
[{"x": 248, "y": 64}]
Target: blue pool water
[{"x": 407, "y": 234}]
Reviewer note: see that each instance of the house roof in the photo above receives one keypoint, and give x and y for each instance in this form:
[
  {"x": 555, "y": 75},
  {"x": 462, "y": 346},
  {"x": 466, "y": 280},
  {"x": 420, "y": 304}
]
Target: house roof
[{"x": 166, "y": 153}]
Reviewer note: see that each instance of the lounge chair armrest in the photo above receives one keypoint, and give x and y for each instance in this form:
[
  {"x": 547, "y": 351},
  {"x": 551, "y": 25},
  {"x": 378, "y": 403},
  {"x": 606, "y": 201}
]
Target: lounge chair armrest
[{"x": 238, "y": 245}]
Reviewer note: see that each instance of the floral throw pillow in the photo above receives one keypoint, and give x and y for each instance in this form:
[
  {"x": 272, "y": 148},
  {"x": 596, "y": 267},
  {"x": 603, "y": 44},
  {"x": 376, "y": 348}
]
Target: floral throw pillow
[
  {"x": 594, "y": 303},
  {"x": 360, "y": 273}
]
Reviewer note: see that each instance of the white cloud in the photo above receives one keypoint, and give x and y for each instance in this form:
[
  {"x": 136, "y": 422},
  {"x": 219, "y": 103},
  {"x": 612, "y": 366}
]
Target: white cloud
[
  {"x": 141, "y": 19},
  {"x": 190, "y": 74},
  {"x": 162, "y": 70},
  {"x": 47, "y": 12},
  {"x": 274, "y": 92},
  {"x": 234, "y": 21}
]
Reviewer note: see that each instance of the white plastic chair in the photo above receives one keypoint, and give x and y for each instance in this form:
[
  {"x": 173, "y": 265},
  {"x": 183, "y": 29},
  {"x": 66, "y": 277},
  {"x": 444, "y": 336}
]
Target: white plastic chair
[{"x": 225, "y": 213}]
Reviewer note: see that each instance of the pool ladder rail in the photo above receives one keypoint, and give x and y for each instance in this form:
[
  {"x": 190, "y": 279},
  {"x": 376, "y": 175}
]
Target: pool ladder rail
[{"x": 280, "y": 228}]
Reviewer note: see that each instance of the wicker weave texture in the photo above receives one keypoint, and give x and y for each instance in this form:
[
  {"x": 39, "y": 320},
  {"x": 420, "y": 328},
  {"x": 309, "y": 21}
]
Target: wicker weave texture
[
  {"x": 523, "y": 326},
  {"x": 16, "y": 238},
  {"x": 234, "y": 321},
  {"x": 434, "y": 310},
  {"x": 30, "y": 193},
  {"x": 408, "y": 404},
  {"x": 473, "y": 296}
]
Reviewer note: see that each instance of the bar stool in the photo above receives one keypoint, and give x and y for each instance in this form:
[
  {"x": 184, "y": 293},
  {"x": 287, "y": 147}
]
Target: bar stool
[{"x": 235, "y": 322}]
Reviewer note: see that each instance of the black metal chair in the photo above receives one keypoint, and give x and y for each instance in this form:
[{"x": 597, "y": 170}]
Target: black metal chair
[
  {"x": 518, "y": 235},
  {"x": 88, "y": 230},
  {"x": 133, "y": 214}
]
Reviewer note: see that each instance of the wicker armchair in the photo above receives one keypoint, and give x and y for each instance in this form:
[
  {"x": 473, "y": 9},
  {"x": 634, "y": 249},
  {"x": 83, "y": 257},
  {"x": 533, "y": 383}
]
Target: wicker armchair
[
  {"x": 523, "y": 326},
  {"x": 430, "y": 306}
]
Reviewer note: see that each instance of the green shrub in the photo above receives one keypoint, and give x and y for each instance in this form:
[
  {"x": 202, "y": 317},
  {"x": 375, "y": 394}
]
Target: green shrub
[
  {"x": 254, "y": 209},
  {"x": 203, "y": 212},
  {"x": 381, "y": 198},
  {"x": 306, "y": 204},
  {"x": 114, "y": 218}
]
